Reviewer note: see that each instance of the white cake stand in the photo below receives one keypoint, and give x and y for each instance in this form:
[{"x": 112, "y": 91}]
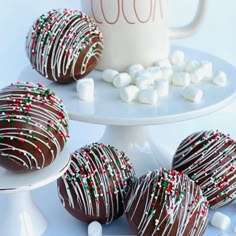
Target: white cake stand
[
  {"x": 22, "y": 217},
  {"x": 126, "y": 123}
]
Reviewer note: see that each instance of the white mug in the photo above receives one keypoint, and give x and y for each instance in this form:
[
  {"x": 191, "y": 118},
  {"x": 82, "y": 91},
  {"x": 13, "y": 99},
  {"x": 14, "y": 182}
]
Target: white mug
[{"x": 136, "y": 31}]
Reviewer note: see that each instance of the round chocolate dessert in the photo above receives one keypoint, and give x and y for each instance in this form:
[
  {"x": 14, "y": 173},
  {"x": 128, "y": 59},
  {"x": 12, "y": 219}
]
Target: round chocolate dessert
[
  {"x": 166, "y": 202},
  {"x": 95, "y": 185},
  {"x": 209, "y": 158},
  {"x": 33, "y": 126},
  {"x": 64, "y": 45}
]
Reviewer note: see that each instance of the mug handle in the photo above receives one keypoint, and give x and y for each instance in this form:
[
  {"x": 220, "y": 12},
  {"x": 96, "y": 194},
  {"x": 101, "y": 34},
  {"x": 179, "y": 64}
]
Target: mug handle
[{"x": 187, "y": 30}]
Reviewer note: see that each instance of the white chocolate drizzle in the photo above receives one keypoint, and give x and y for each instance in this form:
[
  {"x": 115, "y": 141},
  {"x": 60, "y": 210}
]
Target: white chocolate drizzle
[
  {"x": 33, "y": 122},
  {"x": 58, "y": 39},
  {"x": 209, "y": 158},
  {"x": 166, "y": 202},
  {"x": 99, "y": 175}
]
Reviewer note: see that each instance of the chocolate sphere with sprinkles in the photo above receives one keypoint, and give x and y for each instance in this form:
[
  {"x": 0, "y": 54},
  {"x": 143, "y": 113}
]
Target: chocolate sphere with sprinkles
[
  {"x": 95, "y": 185},
  {"x": 209, "y": 158},
  {"x": 33, "y": 127},
  {"x": 64, "y": 45},
  {"x": 166, "y": 202}
]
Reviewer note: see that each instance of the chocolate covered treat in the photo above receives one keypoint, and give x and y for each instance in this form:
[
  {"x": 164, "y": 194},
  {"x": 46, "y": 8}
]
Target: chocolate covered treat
[
  {"x": 166, "y": 202},
  {"x": 33, "y": 126},
  {"x": 95, "y": 185},
  {"x": 64, "y": 45},
  {"x": 209, "y": 158}
]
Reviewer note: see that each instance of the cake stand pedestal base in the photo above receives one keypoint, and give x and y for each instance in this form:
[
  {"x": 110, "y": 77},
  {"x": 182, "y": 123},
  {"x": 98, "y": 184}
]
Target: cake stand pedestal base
[
  {"x": 145, "y": 153},
  {"x": 22, "y": 217}
]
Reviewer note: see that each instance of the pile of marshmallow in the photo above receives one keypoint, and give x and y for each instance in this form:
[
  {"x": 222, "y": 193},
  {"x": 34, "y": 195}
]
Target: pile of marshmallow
[{"x": 146, "y": 85}]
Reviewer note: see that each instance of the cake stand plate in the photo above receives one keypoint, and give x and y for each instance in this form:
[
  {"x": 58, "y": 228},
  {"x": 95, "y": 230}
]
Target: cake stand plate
[
  {"x": 23, "y": 217},
  {"x": 126, "y": 123}
]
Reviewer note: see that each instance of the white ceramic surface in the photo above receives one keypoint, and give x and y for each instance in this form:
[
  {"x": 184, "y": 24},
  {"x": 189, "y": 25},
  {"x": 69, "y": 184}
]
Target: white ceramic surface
[
  {"x": 136, "y": 28},
  {"x": 126, "y": 122},
  {"x": 144, "y": 151},
  {"x": 22, "y": 217},
  {"x": 216, "y": 35},
  {"x": 107, "y": 107},
  {"x": 15, "y": 182}
]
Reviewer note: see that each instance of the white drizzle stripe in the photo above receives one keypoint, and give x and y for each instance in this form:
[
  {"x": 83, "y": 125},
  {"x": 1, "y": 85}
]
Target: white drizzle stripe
[
  {"x": 98, "y": 174},
  {"x": 64, "y": 34},
  {"x": 167, "y": 198},
  {"x": 31, "y": 112},
  {"x": 209, "y": 158}
]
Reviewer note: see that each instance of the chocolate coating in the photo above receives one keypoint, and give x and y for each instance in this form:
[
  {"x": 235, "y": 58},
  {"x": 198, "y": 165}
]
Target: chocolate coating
[
  {"x": 33, "y": 127},
  {"x": 209, "y": 158},
  {"x": 64, "y": 45},
  {"x": 95, "y": 185},
  {"x": 166, "y": 202}
]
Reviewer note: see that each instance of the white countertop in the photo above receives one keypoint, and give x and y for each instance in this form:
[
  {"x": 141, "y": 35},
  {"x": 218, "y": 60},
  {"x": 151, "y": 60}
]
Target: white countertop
[{"x": 216, "y": 36}]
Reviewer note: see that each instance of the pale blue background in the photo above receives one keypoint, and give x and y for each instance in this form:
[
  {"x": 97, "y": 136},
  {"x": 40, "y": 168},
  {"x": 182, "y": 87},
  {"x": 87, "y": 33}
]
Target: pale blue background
[{"x": 216, "y": 36}]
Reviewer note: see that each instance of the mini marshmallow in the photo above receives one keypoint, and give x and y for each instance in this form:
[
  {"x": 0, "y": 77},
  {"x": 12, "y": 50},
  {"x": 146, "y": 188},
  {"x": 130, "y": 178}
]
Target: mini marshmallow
[
  {"x": 148, "y": 96},
  {"x": 129, "y": 93},
  {"x": 94, "y": 229},
  {"x": 178, "y": 68},
  {"x": 167, "y": 72},
  {"x": 181, "y": 79},
  {"x": 193, "y": 94},
  {"x": 196, "y": 76},
  {"x": 192, "y": 65},
  {"x": 177, "y": 58},
  {"x": 162, "y": 63},
  {"x": 108, "y": 75},
  {"x": 122, "y": 80},
  {"x": 145, "y": 73},
  {"x": 143, "y": 82},
  {"x": 220, "y": 221},
  {"x": 155, "y": 71},
  {"x": 220, "y": 79},
  {"x": 162, "y": 87},
  {"x": 85, "y": 89},
  {"x": 134, "y": 69},
  {"x": 206, "y": 68}
]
